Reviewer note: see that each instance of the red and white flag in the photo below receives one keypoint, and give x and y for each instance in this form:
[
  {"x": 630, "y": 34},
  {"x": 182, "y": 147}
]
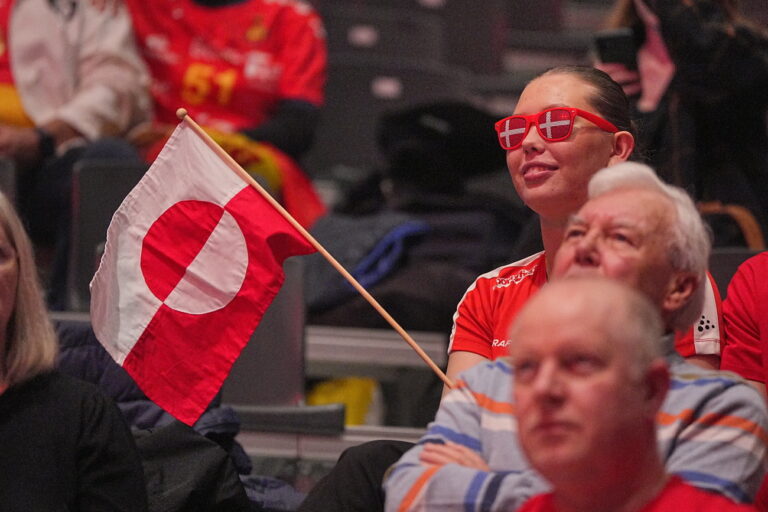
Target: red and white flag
[{"x": 193, "y": 258}]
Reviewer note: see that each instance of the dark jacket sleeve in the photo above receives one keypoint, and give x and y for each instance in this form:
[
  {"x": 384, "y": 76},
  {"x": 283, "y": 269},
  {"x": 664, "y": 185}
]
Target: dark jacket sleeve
[{"x": 110, "y": 475}]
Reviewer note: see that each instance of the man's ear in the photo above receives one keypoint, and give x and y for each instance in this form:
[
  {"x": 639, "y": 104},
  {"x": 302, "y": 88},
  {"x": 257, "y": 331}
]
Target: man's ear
[
  {"x": 623, "y": 145},
  {"x": 679, "y": 291}
]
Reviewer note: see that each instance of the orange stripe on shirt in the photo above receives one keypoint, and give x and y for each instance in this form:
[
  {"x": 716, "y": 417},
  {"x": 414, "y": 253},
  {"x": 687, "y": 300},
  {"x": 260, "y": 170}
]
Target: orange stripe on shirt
[
  {"x": 714, "y": 420},
  {"x": 726, "y": 420},
  {"x": 415, "y": 491},
  {"x": 491, "y": 405},
  {"x": 487, "y": 402},
  {"x": 664, "y": 419}
]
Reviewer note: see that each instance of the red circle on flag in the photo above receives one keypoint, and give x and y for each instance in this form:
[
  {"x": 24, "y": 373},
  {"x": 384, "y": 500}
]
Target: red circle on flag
[{"x": 194, "y": 257}]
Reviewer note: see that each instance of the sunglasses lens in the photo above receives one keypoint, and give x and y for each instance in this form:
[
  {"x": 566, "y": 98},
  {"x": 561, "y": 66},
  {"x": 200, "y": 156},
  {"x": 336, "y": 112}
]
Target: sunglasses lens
[
  {"x": 511, "y": 132},
  {"x": 555, "y": 124}
]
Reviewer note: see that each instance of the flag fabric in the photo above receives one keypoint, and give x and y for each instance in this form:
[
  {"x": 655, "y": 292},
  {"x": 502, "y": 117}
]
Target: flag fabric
[
  {"x": 193, "y": 258},
  {"x": 273, "y": 168}
]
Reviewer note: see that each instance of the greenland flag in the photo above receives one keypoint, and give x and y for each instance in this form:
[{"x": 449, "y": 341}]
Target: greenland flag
[{"x": 193, "y": 258}]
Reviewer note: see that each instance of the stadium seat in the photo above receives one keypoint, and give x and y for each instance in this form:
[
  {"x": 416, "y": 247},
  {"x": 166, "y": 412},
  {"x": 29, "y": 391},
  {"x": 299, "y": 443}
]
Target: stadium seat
[
  {"x": 723, "y": 263},
  {"x": 359, "y": 91},
  {"x": 98, "y": 188},
  {"x": 383, "y": 32}
]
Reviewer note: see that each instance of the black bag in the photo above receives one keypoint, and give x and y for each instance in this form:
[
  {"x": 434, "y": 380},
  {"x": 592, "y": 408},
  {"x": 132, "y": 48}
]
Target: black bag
[{"x": 186, "y": 472}]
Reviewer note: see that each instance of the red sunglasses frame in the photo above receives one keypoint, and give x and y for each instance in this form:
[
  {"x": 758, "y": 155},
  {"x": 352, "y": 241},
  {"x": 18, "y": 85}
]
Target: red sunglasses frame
[{"x": 534, "y": 119}]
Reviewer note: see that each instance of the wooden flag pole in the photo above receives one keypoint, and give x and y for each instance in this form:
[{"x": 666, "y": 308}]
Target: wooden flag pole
[{"x": 183, "y": 116}]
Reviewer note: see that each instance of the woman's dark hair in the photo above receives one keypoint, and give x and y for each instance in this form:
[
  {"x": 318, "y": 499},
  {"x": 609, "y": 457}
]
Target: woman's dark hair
[{"x": 609, "y": 99}]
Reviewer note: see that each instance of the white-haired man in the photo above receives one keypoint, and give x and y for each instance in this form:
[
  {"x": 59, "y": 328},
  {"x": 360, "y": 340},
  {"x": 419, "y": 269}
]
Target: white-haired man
[
  {"x": 589, "y": 378},
  {"x": 711, "y": 429}
]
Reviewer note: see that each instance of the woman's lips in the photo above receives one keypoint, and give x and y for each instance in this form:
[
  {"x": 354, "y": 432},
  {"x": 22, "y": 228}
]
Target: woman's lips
[{"x": 535, "y": 172}]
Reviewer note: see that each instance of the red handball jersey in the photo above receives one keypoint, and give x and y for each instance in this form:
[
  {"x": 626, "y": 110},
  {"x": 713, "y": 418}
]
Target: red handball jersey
[
  {"x": 483, "y": 316},
  {"x": 229, "y": 66},
  {"x": 676, "y": 496},
  {"x": 745, "y": 313},
  {"x": 482, "y": 319},
  {"x": 5, "y": 62}
]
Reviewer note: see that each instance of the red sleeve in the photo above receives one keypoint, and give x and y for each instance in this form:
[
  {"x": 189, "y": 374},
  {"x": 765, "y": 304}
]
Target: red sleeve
[
  {"x": 304, "y": 56},
  {"x": 473, "y": 322},
  {"x": 743, "y": 341}
]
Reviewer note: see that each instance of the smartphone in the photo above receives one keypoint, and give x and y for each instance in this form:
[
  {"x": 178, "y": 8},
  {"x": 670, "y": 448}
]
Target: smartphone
[{"x": 616, "y": 45}]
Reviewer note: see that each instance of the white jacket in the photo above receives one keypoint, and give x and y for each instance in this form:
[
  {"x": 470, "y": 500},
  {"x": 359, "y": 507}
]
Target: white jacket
[{"x": 78, "y": 63}]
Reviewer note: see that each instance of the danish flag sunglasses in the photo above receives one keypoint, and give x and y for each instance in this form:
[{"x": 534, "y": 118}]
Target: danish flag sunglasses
[{"x": 553, "y": 124}]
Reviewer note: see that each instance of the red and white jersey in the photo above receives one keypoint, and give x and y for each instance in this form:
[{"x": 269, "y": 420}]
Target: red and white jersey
[
  {"x": 483, "y": 316},
  {"x": 707, "y": 334},
  {"x": 229, "y": 66}
]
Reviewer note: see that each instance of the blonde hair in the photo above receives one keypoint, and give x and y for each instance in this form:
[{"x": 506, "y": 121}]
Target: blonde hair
[{"x": 31, "y": 346}]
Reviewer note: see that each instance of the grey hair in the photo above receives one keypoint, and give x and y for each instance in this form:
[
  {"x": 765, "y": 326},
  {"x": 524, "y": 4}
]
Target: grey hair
[
  {"x": 690, "y": 238},
  {"x": 31, "y": 346}
]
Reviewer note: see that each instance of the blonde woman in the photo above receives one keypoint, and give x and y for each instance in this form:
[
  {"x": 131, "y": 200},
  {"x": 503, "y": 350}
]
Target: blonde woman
[{"x": 63, "y": 444}]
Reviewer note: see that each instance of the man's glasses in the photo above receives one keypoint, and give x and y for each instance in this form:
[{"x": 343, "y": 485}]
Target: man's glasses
[{"x": 553, "y": 124}]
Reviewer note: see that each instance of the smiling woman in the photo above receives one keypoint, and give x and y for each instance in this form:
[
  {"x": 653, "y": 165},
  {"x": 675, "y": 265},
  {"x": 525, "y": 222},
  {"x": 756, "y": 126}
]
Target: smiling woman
[{"x": 582, "y": 125}]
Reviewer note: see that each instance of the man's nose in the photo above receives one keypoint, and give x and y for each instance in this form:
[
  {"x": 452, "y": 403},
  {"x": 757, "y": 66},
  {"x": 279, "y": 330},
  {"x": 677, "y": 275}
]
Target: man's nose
[
  {"x": 548, "y": 385},
  {"x": 587, "y": 253}
]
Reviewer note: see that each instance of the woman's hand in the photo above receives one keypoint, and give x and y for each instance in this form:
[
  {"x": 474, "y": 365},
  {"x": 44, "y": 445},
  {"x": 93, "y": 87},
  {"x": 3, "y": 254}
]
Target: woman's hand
[
  {"x": 449, "y": 452},
  {"x": 628, "y": 79}
]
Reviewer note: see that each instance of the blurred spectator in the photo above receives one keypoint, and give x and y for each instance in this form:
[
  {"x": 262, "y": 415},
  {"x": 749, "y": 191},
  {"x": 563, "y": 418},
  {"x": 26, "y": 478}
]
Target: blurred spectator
[
  {"x": 415, "y": 235},
  {"x": 700, "y": 94},
  {"x": 252, "y": 72},
  {"x": 65, "y": 445},
  {"x": 69, "y": 75},
  {"x": 414, "y": 231}
]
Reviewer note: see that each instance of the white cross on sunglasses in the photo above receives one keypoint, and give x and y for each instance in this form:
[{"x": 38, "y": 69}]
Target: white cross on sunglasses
[{"x": 548, "y": 124}]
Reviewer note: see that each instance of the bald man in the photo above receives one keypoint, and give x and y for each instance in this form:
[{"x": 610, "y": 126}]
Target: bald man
[{"x": 589, "y": 378}]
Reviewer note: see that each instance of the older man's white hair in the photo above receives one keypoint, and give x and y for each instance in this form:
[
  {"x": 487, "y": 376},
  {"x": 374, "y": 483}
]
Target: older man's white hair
[{"x": 690, "y": 239}]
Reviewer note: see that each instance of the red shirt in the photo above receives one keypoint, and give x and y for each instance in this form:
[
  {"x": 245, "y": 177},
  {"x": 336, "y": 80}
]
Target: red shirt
[
  {"x": 483, "y": 316},
  {"x": 5, "y": 61},
  {"x": 230, "y": 66},
  {"x": 745, "y": 314},
  {"x": 677, "y": 496}
]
